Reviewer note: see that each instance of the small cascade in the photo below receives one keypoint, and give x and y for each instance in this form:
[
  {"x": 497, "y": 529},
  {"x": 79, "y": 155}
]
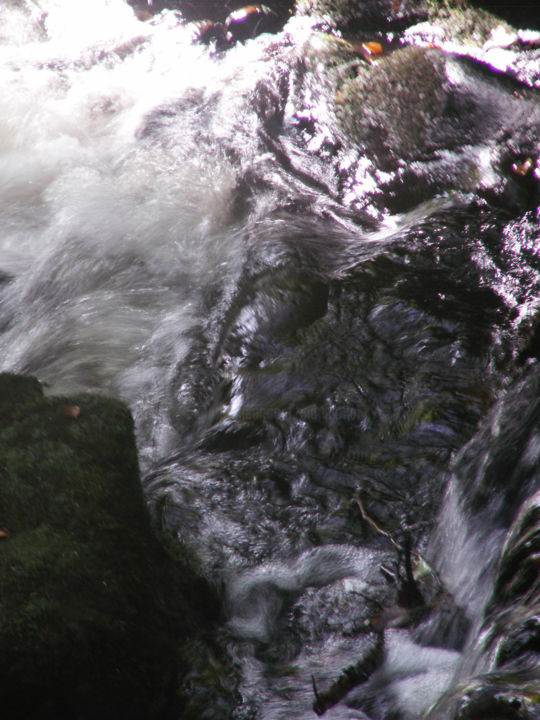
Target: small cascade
[{"x": 312, "y": 274}]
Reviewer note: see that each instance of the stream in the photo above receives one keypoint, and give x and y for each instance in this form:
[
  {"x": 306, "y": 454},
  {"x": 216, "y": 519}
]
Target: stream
[{"x": 328, "y": 339}]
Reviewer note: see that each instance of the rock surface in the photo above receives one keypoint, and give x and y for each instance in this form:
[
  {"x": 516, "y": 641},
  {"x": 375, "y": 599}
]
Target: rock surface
[
  {"x": 215, "y": 10},
  {"x": 365, "y": 17},
  {"x": 432, "y": 117},
  {"x": 498, "y": 475},
  {"x": 523, "y": 14},
  {"x": 92, "y": 609}
]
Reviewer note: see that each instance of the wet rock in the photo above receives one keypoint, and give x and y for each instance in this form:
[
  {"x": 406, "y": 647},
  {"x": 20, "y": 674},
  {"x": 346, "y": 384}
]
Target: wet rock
[
  {"x": 252, "y": 20},
  {"x": 498, "y": 473},
  {"x": 459, "y": 21},
  {"x": 372, "y": 388},
  {"x": 518, "y": 581},
  {"x": 506, "y": 654},
  {"x": 437, "y": 120},
  {"x": 214, "y": 10},
  {"x": 364, "y": 17},
  {"x": 93, "y": 609},
  {"x": 526, "y": 15},
  {"x": 504, "y": 477}
]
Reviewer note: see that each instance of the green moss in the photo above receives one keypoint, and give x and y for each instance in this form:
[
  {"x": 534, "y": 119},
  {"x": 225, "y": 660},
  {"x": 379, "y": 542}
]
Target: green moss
[
  {"x": 368, "y": 102},
  {"x": 92, "y": 608},
  {"x": 457, "y": 19},
  {"x": 462, "y": 23},
  {"x": 209, "y": 690}
]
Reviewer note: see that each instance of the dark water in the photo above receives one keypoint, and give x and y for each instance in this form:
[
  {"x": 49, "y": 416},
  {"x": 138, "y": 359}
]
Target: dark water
[{"x": 331, "y": 359}]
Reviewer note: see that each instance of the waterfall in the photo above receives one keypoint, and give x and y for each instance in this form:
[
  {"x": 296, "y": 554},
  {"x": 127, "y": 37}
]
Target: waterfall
[{"x": 328, "y": 349}]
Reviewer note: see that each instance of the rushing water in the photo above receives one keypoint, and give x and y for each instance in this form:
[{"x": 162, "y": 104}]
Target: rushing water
[{"x": 188, "y": 230}]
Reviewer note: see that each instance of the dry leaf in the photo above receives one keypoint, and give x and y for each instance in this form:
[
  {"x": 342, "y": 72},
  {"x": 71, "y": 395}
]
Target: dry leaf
[
  {"x": 523, "y": 168},
  {"x": 374, "y": 48},
  {"x": 72, "y": 411}
]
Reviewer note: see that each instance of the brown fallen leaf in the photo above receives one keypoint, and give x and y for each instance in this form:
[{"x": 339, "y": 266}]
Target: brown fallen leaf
[
  {"x": 4, "y": 534},
  {"x": 72, "y": 411},
  {"x": 375, "y": 48},
  {"x": 523, "y": 168}
]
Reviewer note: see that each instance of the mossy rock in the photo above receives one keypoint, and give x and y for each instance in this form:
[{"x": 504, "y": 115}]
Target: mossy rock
[
  {"x": 92, "y": 609},
  {"x": 364, "y": 17},
  {"x": 459, "y": 21},
  {"x": 416, "y": 102},
  {"x": 432, "y": 119}
]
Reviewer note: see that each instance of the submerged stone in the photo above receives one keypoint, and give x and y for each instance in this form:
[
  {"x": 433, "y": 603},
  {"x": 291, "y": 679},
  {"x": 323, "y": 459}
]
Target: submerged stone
[{"x": 93, "y": 609}]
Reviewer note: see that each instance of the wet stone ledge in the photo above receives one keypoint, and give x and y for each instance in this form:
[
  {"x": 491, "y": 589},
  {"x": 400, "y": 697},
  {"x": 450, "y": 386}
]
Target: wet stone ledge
[
  {"x": 215, "y": 10},
  {"x": 92, "y": 609}
]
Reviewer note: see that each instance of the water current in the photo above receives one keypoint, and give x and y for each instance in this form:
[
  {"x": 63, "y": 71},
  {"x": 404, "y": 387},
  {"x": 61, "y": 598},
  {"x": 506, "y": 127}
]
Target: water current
[{"x": 332, "y": 366}]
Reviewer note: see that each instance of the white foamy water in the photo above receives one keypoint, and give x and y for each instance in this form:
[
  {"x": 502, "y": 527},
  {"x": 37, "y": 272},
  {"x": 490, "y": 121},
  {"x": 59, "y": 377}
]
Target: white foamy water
[
  {"x": 112, "y": 220},
  {"x": 468, "y": 570}
]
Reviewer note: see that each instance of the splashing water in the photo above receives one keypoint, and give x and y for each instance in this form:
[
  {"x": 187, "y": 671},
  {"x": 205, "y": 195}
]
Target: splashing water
[{"x": 300, "y": 363}]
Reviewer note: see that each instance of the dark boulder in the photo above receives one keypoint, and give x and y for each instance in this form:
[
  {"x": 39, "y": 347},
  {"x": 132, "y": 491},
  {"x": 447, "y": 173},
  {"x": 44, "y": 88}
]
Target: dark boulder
[
  {"x": 215, "y": 10},
  {"x": 433, "y": 120},
  {"x": 365, "y": 17},
  {"x": 92, "y": 609},
  {"x": 522, "y": 15}
]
